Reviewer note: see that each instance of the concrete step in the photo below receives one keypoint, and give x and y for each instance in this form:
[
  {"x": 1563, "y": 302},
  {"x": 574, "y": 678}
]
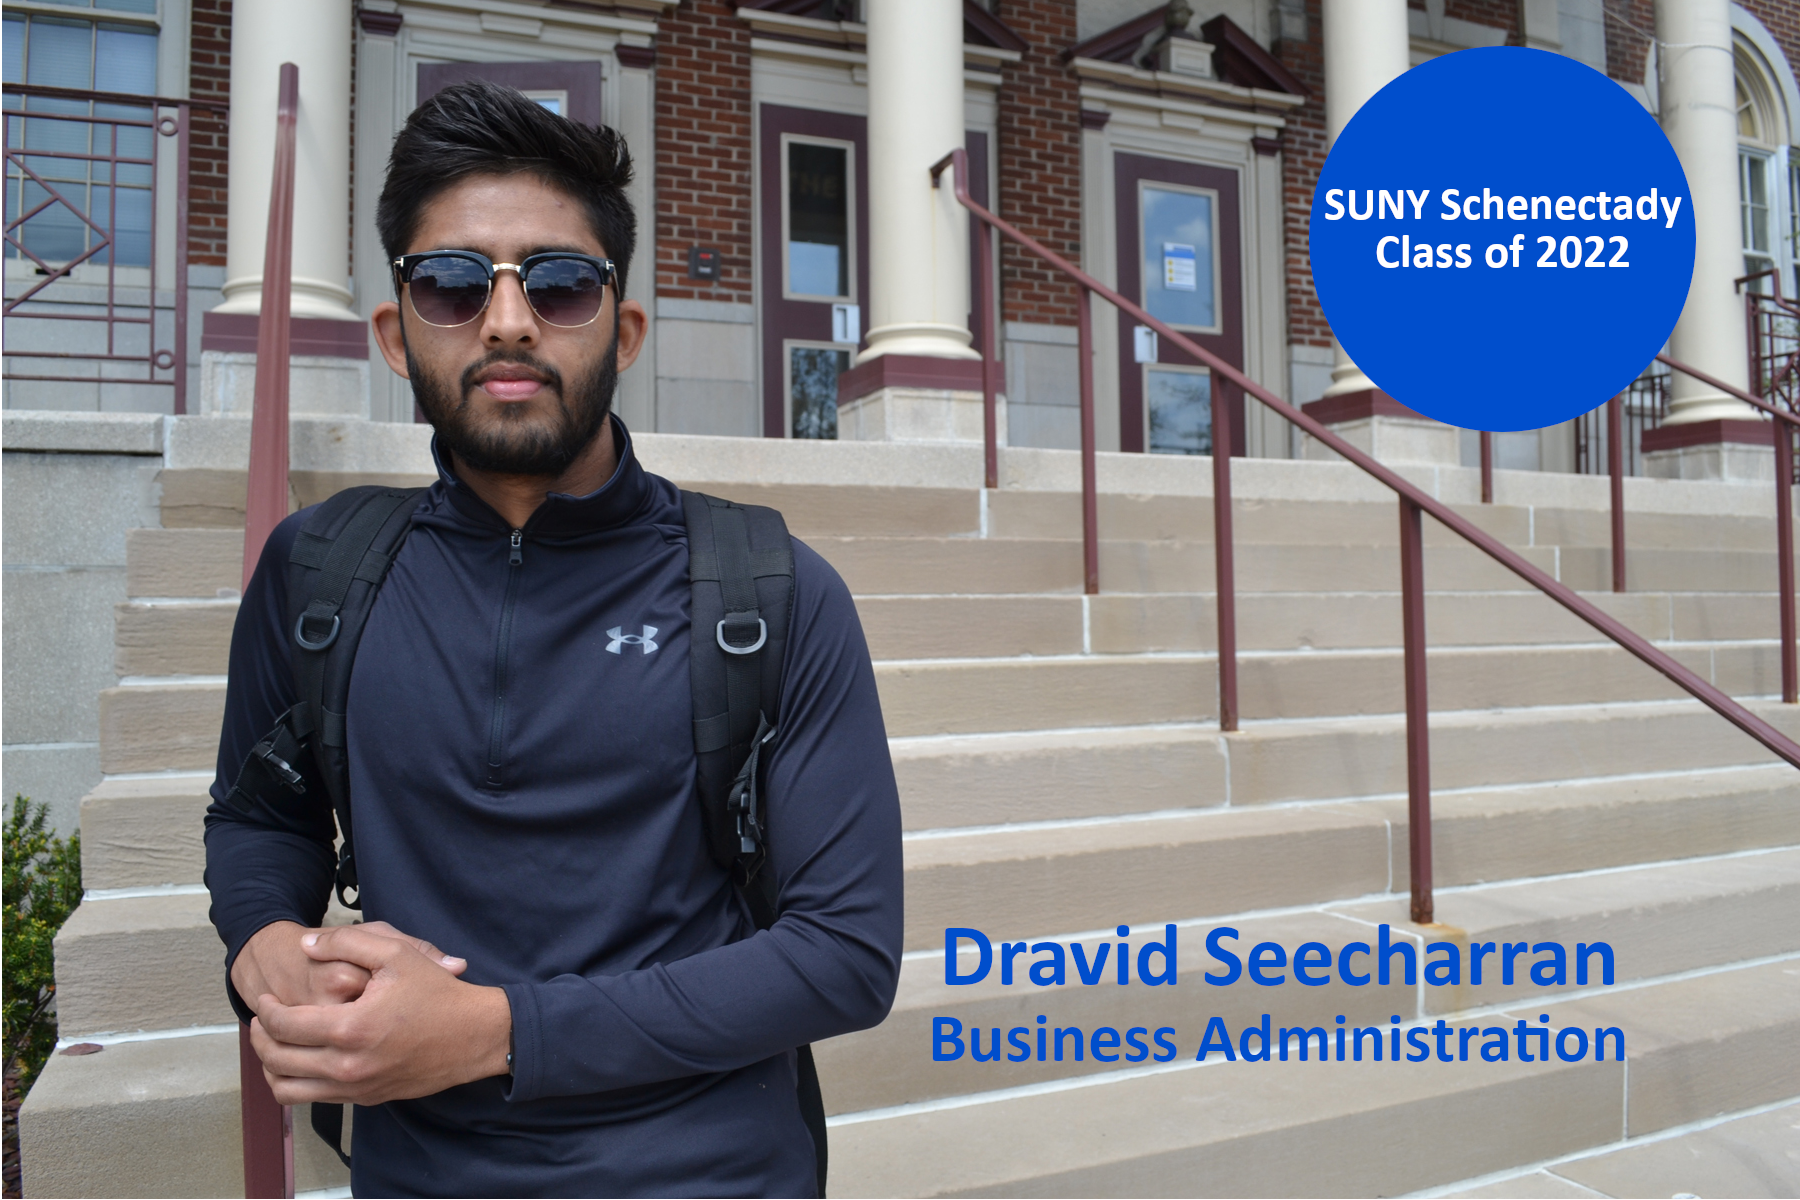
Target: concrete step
[
  {"x": 901, "y": 566},
  {"x": 1659, "y": 918},
  {"x": 1000, "y": 626},
  {"x": 150, "y": 1118},
  {"x": 144, "y": 832},
  {"x": 1178, "y": 866},
  {"x": 204, "y": 563},
  {"x": 145, "y": 962},
  {"x": 1646, "y": 926},
  {"x": 1755, "y": 1155},
  {"x": 173, "y": 637},
  {"x": 1366, "y": 756},
  {"x": 1032, "y": 514},
  {"x": 161, "y": 726},
  {"x": 1242, "y": 1128},
  {"x": 193, "y": 636},
  {"x": 140, "y": 963},
  {"x": 949, "y": 696}
]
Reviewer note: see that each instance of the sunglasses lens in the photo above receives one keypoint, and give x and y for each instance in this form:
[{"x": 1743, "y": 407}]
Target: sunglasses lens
[
  {"x": 566, "y": 291},
  {"x": 449, "y": 290}
]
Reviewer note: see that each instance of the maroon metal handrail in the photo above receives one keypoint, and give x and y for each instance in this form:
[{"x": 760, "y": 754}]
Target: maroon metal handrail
[
  {"x": 1412, "y": 501},
  {"x": 20, "y": 156},
  {"x": 268, "y": 1127}
]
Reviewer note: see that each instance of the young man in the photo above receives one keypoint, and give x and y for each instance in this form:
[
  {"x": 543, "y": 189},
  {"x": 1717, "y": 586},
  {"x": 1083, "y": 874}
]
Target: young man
[{"x": 603, "y": 1018}]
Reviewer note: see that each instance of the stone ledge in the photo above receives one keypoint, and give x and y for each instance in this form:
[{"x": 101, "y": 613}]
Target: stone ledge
[{"x": 82, "y": 432}]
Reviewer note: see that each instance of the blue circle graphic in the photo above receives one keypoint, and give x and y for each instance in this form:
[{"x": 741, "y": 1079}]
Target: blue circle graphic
[{"x": 1502, "y": 238}]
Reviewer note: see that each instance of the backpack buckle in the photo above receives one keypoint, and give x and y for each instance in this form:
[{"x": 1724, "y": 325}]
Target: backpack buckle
[
  {"x": 279, "y": 766},
  {"x": 740, "y": 620}
]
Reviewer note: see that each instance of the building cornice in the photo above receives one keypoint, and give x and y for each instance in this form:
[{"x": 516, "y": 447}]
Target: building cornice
[
  {"x": 1153, "y": 89},
  {"x": 1186, "y": 113},
  {"x": 525, "y": 19}
]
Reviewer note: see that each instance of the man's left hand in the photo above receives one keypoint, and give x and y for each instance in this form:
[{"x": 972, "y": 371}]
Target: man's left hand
[{"x": 415, "y": 1030}]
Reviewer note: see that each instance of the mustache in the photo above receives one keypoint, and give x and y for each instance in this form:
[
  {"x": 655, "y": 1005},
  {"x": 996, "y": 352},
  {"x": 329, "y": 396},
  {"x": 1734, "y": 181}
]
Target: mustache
[{"x": 518, "y": 358}]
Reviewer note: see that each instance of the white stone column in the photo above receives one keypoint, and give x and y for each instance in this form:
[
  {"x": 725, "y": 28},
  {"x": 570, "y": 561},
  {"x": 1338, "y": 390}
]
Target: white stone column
[
  {"x": 1366, "y": 47},
  {"x": 314, "y": 36},
  {"x": 919, "y": 235},
  {"x": 1699, "y": 114}
]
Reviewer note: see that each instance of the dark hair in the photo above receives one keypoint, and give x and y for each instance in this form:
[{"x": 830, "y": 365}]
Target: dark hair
[{"x": 479, "y": 128}]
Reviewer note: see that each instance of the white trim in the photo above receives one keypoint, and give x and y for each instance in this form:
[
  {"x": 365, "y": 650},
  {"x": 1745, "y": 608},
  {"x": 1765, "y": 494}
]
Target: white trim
[
  {"x": 36, "y": 9},
  {"x": 1167, "y": 86},
  {"x": 1746, "y": 25}
]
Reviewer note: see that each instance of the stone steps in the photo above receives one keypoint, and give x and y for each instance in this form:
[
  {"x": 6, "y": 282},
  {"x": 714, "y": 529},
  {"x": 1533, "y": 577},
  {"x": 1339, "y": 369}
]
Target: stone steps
[
  {"x": 151, "y": 1118},
  {"x": 1030, "y": 881},
  {"x": 1661, "y": 919},
  {"x": 1754, "y": 1155},
  {"x": 965, "y": 565},
  {"x": 1269, "y": 1129},
  {"x": 144, "y": 832},
  {"x": 193, "y": 636}
]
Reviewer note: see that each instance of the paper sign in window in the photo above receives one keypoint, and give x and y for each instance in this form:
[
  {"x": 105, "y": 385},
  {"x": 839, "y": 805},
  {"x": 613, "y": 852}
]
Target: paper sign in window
[{"x": 1179, "y": 274}]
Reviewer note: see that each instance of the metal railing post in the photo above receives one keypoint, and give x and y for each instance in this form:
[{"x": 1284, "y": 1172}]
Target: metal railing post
[
  {"x": 1418, "y": 712},
  {"x": 184, "y": 119},
  {"x": 1615, "y": 467},
  {"x": 266, "y": 502},
  {"x": 1487, "y": 467},
  {"x": 1224, "y": 572},
  {"x": 267, "y": 1126},
  {"x": 990, "y": 343},
  {"x": 1784, "y": 558},
  {"x": 1090, "y": 500}
]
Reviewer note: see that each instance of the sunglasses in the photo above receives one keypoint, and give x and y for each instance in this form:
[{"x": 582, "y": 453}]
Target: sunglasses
[{"x": 453, "y": 287}]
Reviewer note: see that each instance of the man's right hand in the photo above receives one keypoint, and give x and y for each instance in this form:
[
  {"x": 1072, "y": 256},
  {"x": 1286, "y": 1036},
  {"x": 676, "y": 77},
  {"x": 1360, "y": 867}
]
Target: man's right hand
[{"x": 273, "y": 963}]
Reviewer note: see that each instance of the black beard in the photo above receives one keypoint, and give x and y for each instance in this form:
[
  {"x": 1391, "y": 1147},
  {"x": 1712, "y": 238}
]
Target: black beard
[{"x": 511, "y": 444}]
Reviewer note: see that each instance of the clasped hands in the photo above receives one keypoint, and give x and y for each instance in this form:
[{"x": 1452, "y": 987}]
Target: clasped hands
[{"x": 364, "y": 1014}]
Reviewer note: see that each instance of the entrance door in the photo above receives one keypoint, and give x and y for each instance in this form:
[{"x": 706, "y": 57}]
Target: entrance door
[
  {"x": 1181, "y": 258},
  {"x": 815, "y": 263}
]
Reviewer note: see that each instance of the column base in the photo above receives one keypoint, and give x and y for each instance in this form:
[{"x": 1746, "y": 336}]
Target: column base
[
  {"x": 1734, "y": 451},
  {"x": 1376, "y": 423},
  {"x": 911, "y": 398},
  {"x": 328, "y": 367}
]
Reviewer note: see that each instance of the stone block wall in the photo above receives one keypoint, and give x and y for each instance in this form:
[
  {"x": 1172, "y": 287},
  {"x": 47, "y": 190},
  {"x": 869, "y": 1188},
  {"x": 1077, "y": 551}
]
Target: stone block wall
[{"x": 74, "y": 484}]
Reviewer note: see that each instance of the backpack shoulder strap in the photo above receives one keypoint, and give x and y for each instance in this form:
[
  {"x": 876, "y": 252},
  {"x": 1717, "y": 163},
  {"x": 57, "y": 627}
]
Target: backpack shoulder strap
[
  {"x": 339, "y": 559},
  {"x": 741, "y": 568}
]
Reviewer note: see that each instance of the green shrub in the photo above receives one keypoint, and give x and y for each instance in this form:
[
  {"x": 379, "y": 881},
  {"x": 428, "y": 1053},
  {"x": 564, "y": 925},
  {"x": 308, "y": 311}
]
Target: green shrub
[{"x": 42, "y": 887}]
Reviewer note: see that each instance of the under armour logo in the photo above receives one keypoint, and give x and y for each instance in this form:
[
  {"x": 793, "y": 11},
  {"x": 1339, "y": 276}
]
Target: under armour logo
[{"x": 621, "y": 639}]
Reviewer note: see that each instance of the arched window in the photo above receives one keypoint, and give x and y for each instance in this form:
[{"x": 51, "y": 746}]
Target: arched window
[{"x": 1767, "y": 179}]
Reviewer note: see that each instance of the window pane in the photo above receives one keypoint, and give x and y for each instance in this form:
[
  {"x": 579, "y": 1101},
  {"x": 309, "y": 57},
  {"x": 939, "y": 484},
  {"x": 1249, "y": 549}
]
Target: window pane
[
  {"x": 1178, "y": 257},
  {"x": 1180, "y": 412},
  {"x": 61, "y": 53},
  {"x": 818, "y": 220},
  {"x": 15, "y": 52},
  {"x": 813, "y": 374},
  {"x": 126, "y": 60}
]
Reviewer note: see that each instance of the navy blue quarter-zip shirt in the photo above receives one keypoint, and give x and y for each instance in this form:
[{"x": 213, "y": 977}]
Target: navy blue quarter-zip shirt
[{"x": 522, "y": 778}]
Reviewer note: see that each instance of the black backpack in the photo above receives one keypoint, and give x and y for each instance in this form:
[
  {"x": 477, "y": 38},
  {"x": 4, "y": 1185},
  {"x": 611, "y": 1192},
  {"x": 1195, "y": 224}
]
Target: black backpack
[{"x": 741, "y": 569}]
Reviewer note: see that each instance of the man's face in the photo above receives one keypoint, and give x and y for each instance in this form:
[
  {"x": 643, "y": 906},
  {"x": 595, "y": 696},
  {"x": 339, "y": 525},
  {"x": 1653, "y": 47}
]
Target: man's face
[{"x": 508, "y": 392}]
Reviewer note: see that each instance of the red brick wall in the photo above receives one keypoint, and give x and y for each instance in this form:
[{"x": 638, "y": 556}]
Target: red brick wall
[
  {"x": 1303, "y": 155},
  {"x": 1040, "y": 160},
  {"x": 209, "y": 77},
  {"x": 1628, "y": 26},
  {"x": 1782, "y": 18},
  {"x": 703, "y": 149},
  {"x": 1501, "y": 14}
]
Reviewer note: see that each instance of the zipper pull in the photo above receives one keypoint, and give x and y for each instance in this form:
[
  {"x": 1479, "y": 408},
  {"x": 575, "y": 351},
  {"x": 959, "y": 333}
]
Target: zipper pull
[{"x": 518, "y": 539}]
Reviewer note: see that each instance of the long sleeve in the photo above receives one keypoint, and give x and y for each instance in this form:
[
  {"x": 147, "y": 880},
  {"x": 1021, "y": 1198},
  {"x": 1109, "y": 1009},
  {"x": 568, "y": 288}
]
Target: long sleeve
[
  {"x": 274, "y": 862},
  {"x": 828, "y": 966}
]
